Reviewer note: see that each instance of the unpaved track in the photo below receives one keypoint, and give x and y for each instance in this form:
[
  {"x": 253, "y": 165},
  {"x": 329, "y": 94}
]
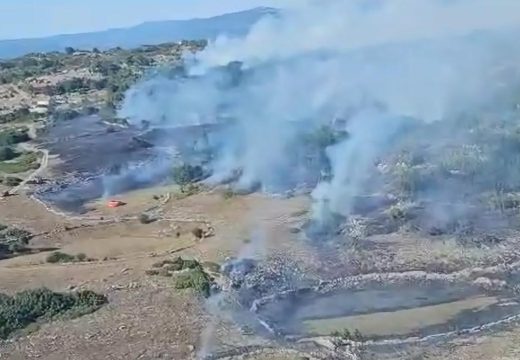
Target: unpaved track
[
  {"x": 43, "y": 163},
  {"x": 43, "y": 166}
]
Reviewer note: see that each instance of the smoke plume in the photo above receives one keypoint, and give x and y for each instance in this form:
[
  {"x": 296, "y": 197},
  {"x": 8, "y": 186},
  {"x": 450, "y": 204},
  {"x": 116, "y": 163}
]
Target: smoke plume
[{"x": 362, "y": 67}]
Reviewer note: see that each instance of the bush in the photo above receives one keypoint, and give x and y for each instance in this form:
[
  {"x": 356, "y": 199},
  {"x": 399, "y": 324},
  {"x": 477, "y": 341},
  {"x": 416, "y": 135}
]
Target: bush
[
  {"x": 60, "y": 257},
  {"x": 186, "y": 174},
  {"x": 145, "y": 219},
  {"x": 73, "y": 85},
  {"x": 400, "y": 211},
  {"x": 10, "y": 181},
  {"x": 194, "y": 279},
  {"x": 198, "y": 233},
  {"x": 65, "y": 114},
  {"x": 159, "y": 272},
  {"x": 13, "y": 240},
  {"x": 7, "y": 153},
  {"x": 408, "y": 179},
  {"x": 324, "y": 137},
  {"x": 177, "y": 264},
  {"x": 20, "y": 115},
  {"x": 81, "y": 257},
  {"x": 194, "y": 276},
  {"x": 13, "y": 136},
  {"x": 347, "y": 335},
  {"x": 228, "y": 194},
  {"x": 25, "y": 162},
  {"x": 33, "y": 306}
]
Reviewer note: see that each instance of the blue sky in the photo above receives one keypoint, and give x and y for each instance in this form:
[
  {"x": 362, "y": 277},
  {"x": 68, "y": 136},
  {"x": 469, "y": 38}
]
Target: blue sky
[{"x": 35, "y": 18}]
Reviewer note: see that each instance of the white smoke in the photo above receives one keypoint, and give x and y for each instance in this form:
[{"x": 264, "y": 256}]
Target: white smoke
[
  {"x": 320, "y": 60},
  {"x": 341, "y": 25}
]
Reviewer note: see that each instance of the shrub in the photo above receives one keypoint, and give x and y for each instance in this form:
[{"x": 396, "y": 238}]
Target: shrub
[
  {"x": 11, "y": 181},
  {"x": 186, "y": 174},
  {"x": 60, "y": 257},
  {"x": 33, "y": 306},
  {"x": 145, "y": 219},
  {"x": 17, "y": 234},
  {"x": 81, "y": 257},
  {"x": 7, "y": 153},
  {"x": 13, "y": 240},
  {"x": 65, "y": 114},
  {"x": 198, "y": 233},
  {"x": 21, "y": 115},
  {"x": 13, "y": 136},
  {"x": 228, "y": 194},
  {"x": 159, "y": 272},
  {"x": 177, "y": 264},
  {"x": 401, "y": 211},
  {"x": 324, "y": 137},
  {"x": 194, "y": 279},
  {"x": 23, "y": 163},
  {"x": 72, "y": 85},
  {"x": 408, "y": 179},
  {"x": 347, "y": 335}
]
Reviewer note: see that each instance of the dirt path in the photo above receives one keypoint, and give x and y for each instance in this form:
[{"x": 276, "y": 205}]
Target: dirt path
[
  {"x": 43, "y": 166},
  {"x": 32, "y": 148}
]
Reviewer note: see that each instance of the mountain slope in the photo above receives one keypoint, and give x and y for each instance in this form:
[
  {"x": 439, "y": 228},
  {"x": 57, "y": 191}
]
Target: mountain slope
[{"x": 147, "y": 33}]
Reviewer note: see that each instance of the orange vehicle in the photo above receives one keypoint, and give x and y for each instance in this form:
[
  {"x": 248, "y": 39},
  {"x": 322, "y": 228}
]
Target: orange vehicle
[{"x": 115, "y": 203}]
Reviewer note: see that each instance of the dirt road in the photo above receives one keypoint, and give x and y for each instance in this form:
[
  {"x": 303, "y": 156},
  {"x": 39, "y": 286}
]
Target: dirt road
[{"x": 43, "y": 165}]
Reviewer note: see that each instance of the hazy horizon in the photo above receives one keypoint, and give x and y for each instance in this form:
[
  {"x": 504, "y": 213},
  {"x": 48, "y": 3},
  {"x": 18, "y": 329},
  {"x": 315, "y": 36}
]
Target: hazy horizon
[{"x": 32, "y": 19}]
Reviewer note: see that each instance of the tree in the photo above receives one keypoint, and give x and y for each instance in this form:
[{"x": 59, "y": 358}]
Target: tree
[
  {"x": 7, "y": 153},
  {"x": 186, "y": 174},
  {"x": 69, "y": 50}
]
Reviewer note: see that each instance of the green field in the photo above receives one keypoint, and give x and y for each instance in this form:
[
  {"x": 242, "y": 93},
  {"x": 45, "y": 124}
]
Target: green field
[{"x": 25, "y": 162}]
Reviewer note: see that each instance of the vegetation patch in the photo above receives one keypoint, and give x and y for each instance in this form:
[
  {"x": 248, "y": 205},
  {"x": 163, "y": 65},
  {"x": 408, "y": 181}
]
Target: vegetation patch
[
  {"x": 158, "y": 272},
  {"x": 25, "y": 162},
  {"x": 189, "y": 274},
  {"x": 195, "y": 279},
  {"x": 188, "y": 190},
  {"x": 186, "y": 174},
  {"x": 177, "y": 264},
  {"x": 13, "y": 136},
  {"x": 324, "y": 137},
  {"x": 7, "y": 153},
  {"x": 348, "y": 335},
  {"x": 13, "y": 240},
  {"x": 10, "y": 181},
  {"x": 146, "y": 219},
  {"x": 20, "y": 115},
  {"x": 40, "y": 305},
  {"x": 228, "y": 194},
  {"x": 60, "y": 257}
]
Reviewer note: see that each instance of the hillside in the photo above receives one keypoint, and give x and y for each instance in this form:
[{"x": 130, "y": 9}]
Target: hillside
[{"x": 146, "y": 33}]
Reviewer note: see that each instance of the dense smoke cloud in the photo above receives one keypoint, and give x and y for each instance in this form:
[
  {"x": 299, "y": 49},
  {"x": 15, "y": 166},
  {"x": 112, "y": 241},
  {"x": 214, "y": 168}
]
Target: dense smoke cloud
[
  {"x": 341, "y": 25},
  {"x": 364, "y": 67}
]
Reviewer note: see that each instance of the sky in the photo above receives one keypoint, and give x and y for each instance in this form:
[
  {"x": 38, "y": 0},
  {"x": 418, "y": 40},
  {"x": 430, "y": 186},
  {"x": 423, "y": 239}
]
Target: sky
[{"x": 37, "y": 18}]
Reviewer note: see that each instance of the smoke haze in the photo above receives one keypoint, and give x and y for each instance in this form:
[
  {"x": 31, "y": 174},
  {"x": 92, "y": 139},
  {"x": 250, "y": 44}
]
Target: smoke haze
[{"x": 367, "y": 68}]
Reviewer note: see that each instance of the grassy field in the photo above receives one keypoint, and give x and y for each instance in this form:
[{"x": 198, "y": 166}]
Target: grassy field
[{"x": 25, "y": 162}]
